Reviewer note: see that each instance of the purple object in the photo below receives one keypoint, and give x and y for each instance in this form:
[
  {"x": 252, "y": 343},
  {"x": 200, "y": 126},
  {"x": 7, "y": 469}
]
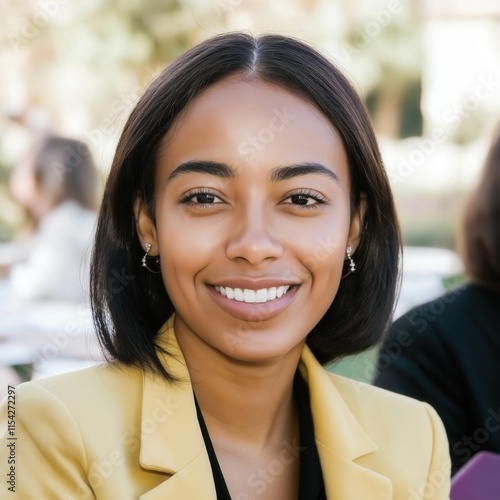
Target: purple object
[{"x": 478, "y": 479}]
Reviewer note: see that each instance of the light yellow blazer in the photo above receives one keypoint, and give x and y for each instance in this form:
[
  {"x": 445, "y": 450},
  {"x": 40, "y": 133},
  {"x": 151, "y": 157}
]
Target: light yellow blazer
[{"x": 111, "y": 432}]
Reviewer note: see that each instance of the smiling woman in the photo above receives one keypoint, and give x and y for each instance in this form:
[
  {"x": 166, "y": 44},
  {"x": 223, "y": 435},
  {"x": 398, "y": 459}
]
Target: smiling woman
[
  {"x": 248, "y": 200},
  {"x": 249, "y": 226}
]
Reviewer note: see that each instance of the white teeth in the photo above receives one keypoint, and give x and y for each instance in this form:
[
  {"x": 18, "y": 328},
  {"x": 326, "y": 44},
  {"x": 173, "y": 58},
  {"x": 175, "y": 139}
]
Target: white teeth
[
  {"x": 249, "y": 296},
  {"x": 253, "y": 296},
  {"x": 261, "y": 295}
]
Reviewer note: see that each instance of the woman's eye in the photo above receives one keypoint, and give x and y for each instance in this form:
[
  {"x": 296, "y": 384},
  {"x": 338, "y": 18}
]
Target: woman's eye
[
  {"x": 204, "y": 198},
  {"x": 201, "y": 198},
  {"x": 300, "y": 199},
  {"x": 303, "y": 199}
]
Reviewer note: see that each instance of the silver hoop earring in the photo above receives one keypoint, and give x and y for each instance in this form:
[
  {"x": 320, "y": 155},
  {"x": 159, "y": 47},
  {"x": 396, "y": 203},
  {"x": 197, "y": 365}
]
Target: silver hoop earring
[
  {"x": 152, "y": 264},
  {"x": 352, "y": 264}
]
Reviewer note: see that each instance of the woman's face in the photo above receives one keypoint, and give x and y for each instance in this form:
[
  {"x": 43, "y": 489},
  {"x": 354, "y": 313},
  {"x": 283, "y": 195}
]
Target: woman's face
[{"x": 252, "y": 219}]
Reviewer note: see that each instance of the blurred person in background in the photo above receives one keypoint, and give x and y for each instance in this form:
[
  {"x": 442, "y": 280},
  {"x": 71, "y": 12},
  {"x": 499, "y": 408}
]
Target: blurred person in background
[
  {"x": 446, "y": 352},
  {"x": 57, "y": 184}
]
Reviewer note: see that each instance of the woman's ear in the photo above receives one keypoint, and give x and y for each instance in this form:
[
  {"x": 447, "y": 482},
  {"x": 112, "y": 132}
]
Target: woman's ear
[
  {"x": 145, "y": 226},
  {"x": 357, "y": 222}
]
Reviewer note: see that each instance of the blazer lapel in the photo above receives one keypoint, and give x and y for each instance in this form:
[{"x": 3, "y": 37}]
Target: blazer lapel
[
  {"x": 171, "y": 439},
  {"x": 172, "y": 443},
  {"x": 341, "y": 440}
]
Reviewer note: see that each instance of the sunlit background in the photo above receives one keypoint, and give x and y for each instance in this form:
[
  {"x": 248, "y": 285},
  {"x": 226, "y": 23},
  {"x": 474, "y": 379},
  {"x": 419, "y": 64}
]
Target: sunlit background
[{"x": 428, "y": 71}]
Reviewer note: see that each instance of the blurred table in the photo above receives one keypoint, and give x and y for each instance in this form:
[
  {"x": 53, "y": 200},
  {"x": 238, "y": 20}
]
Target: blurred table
[{"x": 46, "y": 337}]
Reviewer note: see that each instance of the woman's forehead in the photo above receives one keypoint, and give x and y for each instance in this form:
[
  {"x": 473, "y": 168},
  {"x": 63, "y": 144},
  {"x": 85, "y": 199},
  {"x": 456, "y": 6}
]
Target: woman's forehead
[{"x": 246, "y": 123}]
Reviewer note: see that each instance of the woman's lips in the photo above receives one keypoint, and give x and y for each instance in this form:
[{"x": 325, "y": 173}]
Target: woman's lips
[{"x": 254, "y": 304}]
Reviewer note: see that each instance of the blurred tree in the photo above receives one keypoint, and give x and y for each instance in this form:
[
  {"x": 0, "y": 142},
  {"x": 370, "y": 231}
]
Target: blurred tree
[{"x": 385, "y": 42}]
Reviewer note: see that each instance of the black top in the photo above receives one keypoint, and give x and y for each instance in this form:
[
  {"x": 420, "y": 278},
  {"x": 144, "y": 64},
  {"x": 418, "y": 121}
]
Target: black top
[
  {"x": 447, "y": 352},
  {"x": 311, "y": 486}
]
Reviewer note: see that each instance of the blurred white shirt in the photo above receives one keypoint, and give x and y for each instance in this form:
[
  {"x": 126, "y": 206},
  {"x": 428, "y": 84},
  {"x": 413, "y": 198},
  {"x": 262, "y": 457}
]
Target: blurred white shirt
[{"x": 57, "y": 266}]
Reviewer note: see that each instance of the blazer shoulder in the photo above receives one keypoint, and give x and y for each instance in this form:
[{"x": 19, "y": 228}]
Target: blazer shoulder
[
  {"x": 102, "y": 385},
  {"x": 102, "y": 371},
  {"x": 70, "y": 424},
  {"x": 408, "y": 433},
  {"x": 364, "y": 396},
  {"x": 374, "y": 405}
]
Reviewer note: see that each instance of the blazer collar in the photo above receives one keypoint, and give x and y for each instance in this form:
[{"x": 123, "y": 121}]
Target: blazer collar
[
  {"x": 342, "y": 442},
  {"x": 171, "y": 439},
  {"x": 172, "y": 443}
]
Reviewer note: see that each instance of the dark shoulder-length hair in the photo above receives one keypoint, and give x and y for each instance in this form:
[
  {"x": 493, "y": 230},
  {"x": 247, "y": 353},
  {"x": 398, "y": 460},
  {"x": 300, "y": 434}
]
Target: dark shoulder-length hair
[
  {"x": 480, "y": 232},
  {"x": 130, "y": 304}
]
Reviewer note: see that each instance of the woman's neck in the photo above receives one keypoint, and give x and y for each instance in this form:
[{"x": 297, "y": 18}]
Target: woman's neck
[{"x": 245, "y": 406}]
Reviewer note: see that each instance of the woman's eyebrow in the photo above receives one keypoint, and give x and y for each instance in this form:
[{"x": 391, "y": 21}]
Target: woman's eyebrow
[
  {"x": 289, "y": 171},
  {"x": 227, "y": 172},
  {"x": 205, "y": 167}
]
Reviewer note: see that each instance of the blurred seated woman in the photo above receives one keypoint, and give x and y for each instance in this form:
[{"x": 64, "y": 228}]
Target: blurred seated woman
[{"x": 56, "y": 183}]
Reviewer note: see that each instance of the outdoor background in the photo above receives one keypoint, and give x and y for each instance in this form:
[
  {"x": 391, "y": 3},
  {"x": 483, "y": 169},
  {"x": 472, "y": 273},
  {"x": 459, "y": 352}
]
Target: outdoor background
[{"x": 428, "y": 71}]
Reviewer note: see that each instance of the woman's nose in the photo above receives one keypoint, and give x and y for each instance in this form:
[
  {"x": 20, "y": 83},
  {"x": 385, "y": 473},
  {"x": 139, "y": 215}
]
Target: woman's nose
[{"x": 253, "y": 238}]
